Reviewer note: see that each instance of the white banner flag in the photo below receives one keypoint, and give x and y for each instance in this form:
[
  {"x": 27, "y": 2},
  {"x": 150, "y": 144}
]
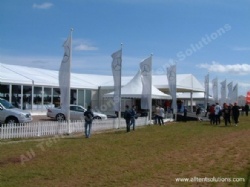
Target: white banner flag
[
  {"x": 64, "y": 77},
  {"x": 116, "y": 69},
  {"x": 207, "y": 88},
  {"x": 215, "y": 89},
  {"x": 223, "y": 91},
  {"x": 230, "y": 90},
  {"x": 235, "y": 93},
  {"x": 146, "y": 78},
  {"x": 171, "y": 74}
]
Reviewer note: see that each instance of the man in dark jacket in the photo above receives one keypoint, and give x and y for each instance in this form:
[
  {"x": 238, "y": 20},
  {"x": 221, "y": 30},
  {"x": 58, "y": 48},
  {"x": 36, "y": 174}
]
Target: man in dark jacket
[
  {"x": 246, "y": 109},
  {"x": 127, "y": 117},
  {"x": 236, "y": 113},
  {"x": 88, "y": 116},
  {"x": 226, "y": 112}
]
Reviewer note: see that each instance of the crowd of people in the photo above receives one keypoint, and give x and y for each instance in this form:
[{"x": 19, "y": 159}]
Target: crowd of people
[{"x": 229, "y": 112}]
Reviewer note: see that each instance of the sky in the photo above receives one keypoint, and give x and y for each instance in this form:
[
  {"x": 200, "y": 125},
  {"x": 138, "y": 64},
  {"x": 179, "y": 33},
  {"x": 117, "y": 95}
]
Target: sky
[{"x": 199, "y": 36}]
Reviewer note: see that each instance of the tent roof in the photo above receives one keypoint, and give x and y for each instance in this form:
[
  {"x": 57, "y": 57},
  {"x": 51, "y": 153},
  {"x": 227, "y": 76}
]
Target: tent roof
[
  {"x": 184, "y": 83},
  {"x": 25, "y": 75},
  {"x": 43, "y": 77},
  {"x": 133, "y": 89}
]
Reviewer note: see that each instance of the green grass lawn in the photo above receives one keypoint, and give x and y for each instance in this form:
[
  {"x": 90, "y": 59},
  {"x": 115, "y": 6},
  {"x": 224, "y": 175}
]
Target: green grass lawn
[{"x": 150, "y": 156}]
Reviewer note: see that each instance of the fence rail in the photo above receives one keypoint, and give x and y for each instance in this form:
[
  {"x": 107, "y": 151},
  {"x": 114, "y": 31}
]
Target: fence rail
[{"x": 40, "y": 129}]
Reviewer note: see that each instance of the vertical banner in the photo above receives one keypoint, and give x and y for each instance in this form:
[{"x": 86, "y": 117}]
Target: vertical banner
[
  {"x": 171, "y": 74},
  {"x": 206, "y": 89},
  {"x": 64, "y": 78},
  {"x": 230, "y": 91},
  {"x": 146, "y": 78},
  {"x": 116, "y": 69},
  {"x": 235, "y": 93},
  {"x": 215, "y": 89},
  {"x": 223, "y": 92}
]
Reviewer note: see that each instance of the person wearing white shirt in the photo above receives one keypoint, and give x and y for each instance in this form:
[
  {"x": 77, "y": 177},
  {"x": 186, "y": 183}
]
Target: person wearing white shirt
[
  {"x": 217, "y": 112},
  {"x": 161, "y": 115}
]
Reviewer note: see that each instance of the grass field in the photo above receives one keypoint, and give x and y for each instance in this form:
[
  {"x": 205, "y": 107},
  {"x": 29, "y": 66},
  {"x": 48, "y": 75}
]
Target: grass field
[{"x": 150, "y": 156}]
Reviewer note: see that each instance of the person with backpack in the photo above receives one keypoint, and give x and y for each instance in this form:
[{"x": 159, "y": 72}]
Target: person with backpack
[
  {"x": 127, "y": 117},
  {"x": 88, "y": 116}
]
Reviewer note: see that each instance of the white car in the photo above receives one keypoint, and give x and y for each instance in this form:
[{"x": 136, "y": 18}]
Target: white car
[
  {"x": 76, "y": 113},
  {"x": 10, "y": 114}
]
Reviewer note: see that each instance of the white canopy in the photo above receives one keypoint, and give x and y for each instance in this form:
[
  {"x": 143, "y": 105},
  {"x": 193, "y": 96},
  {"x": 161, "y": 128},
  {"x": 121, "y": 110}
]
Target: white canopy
[
  {"x": 184, "y": 83},
  {"x": 15, "y": 74},
  {"x": 133, "y": 89},
  {"x": 44, "y": 77},
  {"x": 195, "y": 95}
]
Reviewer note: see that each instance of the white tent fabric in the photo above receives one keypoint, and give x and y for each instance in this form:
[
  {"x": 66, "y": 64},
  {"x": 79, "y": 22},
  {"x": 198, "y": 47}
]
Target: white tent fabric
[
  {"x": 184, "y": 83},
  {"x": 195, "y": 95},
  {"x": 43, "y": 77},
  {"x": 133, "y": 89},
  {"x": 15, "y": 74}
]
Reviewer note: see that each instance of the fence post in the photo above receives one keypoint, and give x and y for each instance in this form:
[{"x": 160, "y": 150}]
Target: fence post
[{"x": 39, "y": 129}]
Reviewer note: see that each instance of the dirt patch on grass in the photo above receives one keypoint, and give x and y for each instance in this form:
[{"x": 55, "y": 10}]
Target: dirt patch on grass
[{"x": 11, "y": 160}]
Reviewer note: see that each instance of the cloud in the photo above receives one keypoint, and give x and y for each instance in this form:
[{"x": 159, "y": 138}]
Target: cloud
[
  {"x": 85, "y": 47},
  {"x": 45, "y": 62},
  {"x": 241, "y": 49},
  {"x": 240, "y": 69},
  {"x": 42, "y": 6}
]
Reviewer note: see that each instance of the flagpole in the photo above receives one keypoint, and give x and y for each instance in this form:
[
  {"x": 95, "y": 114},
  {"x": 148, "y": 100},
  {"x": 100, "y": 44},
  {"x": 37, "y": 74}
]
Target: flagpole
[
  {"x": 120, "y": 94},
  {"x": 70, "y": 59},
  {"x": 208, "y": 87},
  {"x": 150, "y": 104},
  {"x": 176, "y": 91},
  {"x": 206, "y": 93}
]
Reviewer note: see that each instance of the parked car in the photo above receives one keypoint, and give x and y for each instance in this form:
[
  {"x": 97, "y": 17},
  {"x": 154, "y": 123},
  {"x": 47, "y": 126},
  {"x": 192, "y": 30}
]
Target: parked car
[
  {"x": 76, "y": 113},
  {"x": 10, "y": 114}
]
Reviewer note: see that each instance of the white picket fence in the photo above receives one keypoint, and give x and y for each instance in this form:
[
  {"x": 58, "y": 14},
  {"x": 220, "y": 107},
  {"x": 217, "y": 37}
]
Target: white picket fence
[{"x": 41, "y": 129}]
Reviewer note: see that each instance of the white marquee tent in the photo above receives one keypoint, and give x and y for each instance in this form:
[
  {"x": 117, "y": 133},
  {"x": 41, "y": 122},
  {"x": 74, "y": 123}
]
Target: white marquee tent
[
  {"x": 15, "y": 74},
  {"x": 133, "y": 89},
  {"x": 184, "y": 83}
]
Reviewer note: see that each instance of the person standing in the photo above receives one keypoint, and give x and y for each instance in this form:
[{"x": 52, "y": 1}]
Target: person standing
[
  {"x": 157, "y": 114},
  {"x": 217, "y": 112},
  {"x": 161, "y": 115},
  {"x": 127, "y": 117},
  {"x": 211, "y": 114},
  {"x": 226, "y": 112},
  {"x": 236, "y": 113},
  {"x": 185, "y": 114},
  {"x": 198, "y": 113},
  {"x": 246, "y": 109},
  {"x": 88, "y": 116},
  {"x": 207, "y": 110},
  {"x": 133, "y": 116}
]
